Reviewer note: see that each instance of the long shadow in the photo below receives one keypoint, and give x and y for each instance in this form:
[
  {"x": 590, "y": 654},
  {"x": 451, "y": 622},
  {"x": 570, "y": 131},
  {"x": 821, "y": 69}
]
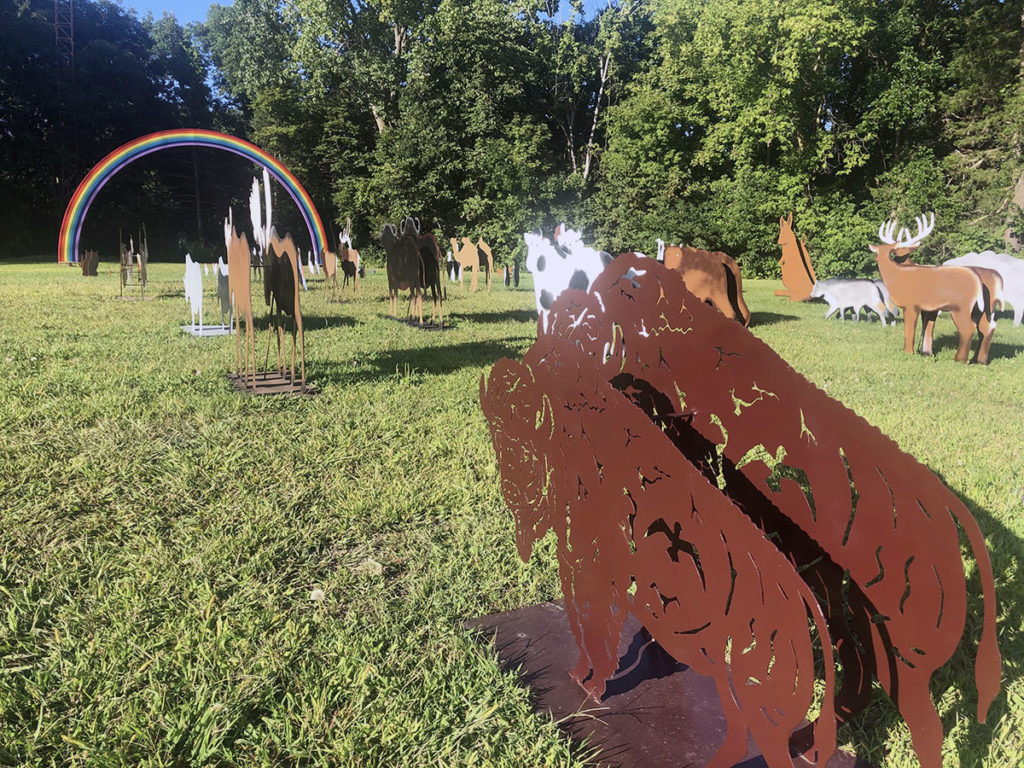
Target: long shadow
[
  {"x": 999, "y": 349},
  {"x": 770, "y": 318},
  {"x": 314, "y": 322},
  {"x": 515, "y": 315},
  {"x": 430, "y": 361}
]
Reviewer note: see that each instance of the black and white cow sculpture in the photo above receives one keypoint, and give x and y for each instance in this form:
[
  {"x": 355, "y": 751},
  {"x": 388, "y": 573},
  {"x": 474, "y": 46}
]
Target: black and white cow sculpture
[{"x": 566, "y": 263}]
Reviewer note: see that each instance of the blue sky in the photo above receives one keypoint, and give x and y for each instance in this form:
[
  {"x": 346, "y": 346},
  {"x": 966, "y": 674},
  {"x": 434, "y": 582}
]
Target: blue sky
[
  {"x": 183, "y": 10},
  {"x": 196, "y": 10}
]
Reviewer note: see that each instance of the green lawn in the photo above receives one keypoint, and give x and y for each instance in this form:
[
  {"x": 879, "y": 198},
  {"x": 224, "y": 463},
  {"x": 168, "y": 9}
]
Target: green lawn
[{"x": 192, "y": 577}]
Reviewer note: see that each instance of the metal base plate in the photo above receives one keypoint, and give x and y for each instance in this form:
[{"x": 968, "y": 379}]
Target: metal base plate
[
  {"x": 657, "y": 713},
  {"x": 272, "y": 383},
  {"x": 207, "y": 330}
]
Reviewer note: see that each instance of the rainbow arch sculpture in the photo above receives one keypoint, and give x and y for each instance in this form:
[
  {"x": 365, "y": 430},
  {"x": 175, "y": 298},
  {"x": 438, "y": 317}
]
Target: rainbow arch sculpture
[{"x": 103, "y": 171}]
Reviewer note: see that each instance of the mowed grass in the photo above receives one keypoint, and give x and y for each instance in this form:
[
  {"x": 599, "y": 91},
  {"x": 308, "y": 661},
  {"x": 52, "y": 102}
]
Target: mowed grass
[{"x": 193, "y": 577}]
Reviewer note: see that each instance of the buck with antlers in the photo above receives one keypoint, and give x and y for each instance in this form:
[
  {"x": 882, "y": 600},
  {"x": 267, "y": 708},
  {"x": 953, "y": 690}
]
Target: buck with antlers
[{"x": 924, "y": 291}]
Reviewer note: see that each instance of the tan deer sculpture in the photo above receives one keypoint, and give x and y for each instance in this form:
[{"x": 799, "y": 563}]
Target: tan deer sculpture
[
  {"x": 924, "y": 291},
  {"x": 239, "y": 286},
  {"x": 797, "y": 273}
]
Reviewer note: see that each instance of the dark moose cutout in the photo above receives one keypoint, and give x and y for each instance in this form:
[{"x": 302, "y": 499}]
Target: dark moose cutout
[{"x": 637, "y": 429}]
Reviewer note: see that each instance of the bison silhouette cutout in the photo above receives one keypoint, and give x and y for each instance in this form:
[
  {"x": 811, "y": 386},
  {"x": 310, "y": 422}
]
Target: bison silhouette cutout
[{"x": 757, "y": 528}]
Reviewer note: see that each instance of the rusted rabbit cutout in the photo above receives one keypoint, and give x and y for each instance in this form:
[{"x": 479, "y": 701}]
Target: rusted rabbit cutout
[
  {"x": 797, "y": 273},
  {"x": 636, "y": 429}
]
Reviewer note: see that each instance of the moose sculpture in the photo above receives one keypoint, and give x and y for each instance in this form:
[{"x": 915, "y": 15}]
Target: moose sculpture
[
  {"x": 712, "y": 276},
  {"x": 797, "y": 273},
  {"x": 646, "y": 466},
  {"x": 924, "y": 291},
  {"x": 413, "y": 264}
]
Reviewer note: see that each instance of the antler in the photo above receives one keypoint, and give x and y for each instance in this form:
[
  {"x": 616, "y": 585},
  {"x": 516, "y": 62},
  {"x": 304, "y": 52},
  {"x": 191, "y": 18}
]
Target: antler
[
  {"x": 903, "y": 238},
  {"x": 923, "y": 230}
]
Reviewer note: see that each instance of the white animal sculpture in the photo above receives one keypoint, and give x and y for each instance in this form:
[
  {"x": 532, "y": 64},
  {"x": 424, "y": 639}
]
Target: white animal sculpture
[
  {"x": 567, "y": 263},
  {"x": 223, "y": 292},
  {"x": 1010, "y": 268},
  {"x": 850, "y": 294},
  {"x": 194, "y": 290}
]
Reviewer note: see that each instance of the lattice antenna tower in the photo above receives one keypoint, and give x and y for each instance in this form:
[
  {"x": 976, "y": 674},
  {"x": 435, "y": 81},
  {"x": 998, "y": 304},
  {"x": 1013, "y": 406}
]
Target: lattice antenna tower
[{"x": 64, "y": 39}]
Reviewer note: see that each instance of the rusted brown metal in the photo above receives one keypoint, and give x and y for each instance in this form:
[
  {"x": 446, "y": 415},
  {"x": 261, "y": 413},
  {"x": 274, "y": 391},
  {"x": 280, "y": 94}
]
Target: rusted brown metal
[
  {"x": 90, "y": 263},
  {"x": 924, "y": 291},
  {"x": 711, "y": 276},
  {"x": 413, "y": 263},
  {"x": 240, "y": 291},
  {"x": 797, "y": 273},
  {"x": 697, "y": 481},
  {"x": 281, "y": 293}
]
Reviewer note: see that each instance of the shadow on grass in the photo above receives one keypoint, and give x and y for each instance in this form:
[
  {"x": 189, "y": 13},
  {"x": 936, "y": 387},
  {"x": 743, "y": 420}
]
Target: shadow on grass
[
  {"x": 770, "y": 318},
  {"x": 430, "y": 361},
  {"x": 999, "y": 349},
  {"x": 315, "y": 322},
  {"x": 511, "y": 315}
]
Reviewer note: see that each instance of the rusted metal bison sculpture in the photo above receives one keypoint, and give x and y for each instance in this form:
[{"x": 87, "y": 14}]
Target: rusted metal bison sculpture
[{"x": 759, "y": 530}]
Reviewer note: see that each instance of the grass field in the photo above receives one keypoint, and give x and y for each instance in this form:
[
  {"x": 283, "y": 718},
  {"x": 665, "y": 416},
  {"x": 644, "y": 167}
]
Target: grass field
[{"x": 192, "y": 577}]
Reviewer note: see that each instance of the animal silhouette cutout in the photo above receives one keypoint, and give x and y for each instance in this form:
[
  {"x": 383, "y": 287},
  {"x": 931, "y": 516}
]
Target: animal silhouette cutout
[
  {"x": 469, "y": 257},
  {"x": 924, "y": 291},
  {"x": 348, "y": 257},
  {"x": 654, "y": 435},
  {"x": 1010, "y": 269},
  {"x": 281, "y": 281},
  {"x": 90, "y": 263},
  {"x": 712, "y": 276},
  {"x": 797, "y": 272},
  {"x": 239, "y": 289},
  {"x": 193, "y": 282}
]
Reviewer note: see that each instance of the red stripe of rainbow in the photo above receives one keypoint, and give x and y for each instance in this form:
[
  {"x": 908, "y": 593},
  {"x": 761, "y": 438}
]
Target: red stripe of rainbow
[{"x": 74, "y": 215}]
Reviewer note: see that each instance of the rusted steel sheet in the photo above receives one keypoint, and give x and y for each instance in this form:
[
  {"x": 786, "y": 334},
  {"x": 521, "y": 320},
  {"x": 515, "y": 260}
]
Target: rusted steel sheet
[{"x": 696, "y": 480}]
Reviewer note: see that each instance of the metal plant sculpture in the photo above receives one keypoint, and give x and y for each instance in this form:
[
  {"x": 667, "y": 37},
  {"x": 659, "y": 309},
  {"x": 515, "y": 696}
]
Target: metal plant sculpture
[{"x": 664, "y": 443}]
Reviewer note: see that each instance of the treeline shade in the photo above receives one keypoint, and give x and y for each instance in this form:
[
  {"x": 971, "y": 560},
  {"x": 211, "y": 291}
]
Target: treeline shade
[{"x": 697, "y": 121}]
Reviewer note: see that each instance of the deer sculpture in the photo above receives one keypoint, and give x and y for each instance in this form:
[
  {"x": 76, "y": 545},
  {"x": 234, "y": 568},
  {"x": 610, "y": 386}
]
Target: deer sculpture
[
  {"x": 924, "y": 291},
  {"x": 797, "y": 273}
]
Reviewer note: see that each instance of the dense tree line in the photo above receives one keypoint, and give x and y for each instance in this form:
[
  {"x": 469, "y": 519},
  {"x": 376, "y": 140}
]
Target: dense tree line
[{"x": 698, "y": 121}]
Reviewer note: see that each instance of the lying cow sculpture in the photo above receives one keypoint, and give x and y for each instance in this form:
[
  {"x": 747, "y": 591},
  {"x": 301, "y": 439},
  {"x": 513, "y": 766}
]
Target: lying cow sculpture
[
  {"x": 646, "y": 466},
  {"x": 841, "y": 295},
  {"x": 1010, "y": 269}
]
